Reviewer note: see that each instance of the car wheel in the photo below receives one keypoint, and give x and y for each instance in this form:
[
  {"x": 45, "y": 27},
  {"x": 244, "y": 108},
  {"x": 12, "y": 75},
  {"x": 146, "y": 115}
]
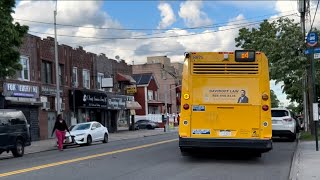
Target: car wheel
[
  {"x": 18, "y": 149},
  {"x": 89, "y": 140},
  {"x": 149, "y": 127},
  {"x": 293, "y": 137},
  {"x": 105, "y": 138}
]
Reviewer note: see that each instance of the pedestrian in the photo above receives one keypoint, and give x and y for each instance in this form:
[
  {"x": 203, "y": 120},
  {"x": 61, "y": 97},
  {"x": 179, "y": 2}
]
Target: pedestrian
[{"x": 60, "y": 127}]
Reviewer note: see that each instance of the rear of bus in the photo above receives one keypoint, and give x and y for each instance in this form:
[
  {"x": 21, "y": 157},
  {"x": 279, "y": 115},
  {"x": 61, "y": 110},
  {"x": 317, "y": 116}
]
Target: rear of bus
[{"x": 225, "y": 101}]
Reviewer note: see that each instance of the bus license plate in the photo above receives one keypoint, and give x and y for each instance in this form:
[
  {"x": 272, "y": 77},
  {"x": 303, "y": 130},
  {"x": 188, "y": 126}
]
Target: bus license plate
[{"x": 225, "y": 133}]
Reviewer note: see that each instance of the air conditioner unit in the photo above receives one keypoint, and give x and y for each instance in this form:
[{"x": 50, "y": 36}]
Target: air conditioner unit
[
  {"x": 63, "y": 106},
  {"x": 46, "y": 105}
]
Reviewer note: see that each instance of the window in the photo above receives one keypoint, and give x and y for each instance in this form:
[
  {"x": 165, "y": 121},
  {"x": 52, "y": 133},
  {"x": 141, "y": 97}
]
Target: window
[
  {"x": 99, "y": 80},
  {"x": 150, "y": 95},
  {"x": 17, "y": 121},
  {"x": 163, "y": 74},
  {"x": 24, "y": 74},
  {"x": 46, "y": 72},
  {"x": 61, "y": 74},
  {"x": 156, "y": 95},
  {"x": 279, "y": 113},
  {"x": 75, "y": 76},
  {"x": 86, "y": 78}
]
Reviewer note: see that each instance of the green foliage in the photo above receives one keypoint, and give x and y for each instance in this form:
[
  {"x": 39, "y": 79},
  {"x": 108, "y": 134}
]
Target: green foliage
[
  {"x": 11, "y": 37},
  {"x": 274, "y": 100},
  {"x": 294, "y": 108},
  {"x": 283, "y": 44}
]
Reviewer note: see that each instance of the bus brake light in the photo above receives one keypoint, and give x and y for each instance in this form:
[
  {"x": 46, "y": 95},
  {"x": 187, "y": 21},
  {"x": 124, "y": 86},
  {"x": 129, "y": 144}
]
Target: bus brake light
[
  {"x": 265, "y": 107},
  {"x": 265, "y": 97},
  {"x": 186, "y": 106}
]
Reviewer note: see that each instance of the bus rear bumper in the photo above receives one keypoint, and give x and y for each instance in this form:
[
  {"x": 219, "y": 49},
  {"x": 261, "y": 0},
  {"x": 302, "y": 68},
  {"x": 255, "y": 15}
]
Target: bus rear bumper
[{"x": 247, "y": 144}]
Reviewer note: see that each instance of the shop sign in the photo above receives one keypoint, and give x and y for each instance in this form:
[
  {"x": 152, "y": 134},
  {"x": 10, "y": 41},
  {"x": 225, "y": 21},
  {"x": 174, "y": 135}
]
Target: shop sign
[
  {"x": 51, "y": 91},
  {"x": 20, "y": 90},
  {"x": 116, "y": 102},
  {"x": 131, "y": 89},
  {"x": 90, "y": 99}
]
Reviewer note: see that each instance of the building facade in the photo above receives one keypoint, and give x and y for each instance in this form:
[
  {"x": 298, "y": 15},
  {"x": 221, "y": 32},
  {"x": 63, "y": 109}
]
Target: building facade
[
  {"x": 33, "y": 89},
  {"x": 168, "y": 80}
]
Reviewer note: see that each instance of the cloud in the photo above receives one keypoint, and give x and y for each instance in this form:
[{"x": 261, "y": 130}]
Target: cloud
[
  {"x": 190, "y": 12},
  {"x": 167, "y": 15}
]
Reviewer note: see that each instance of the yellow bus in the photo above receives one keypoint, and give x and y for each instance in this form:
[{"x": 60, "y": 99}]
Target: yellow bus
[{"x": 225, "y": 101}]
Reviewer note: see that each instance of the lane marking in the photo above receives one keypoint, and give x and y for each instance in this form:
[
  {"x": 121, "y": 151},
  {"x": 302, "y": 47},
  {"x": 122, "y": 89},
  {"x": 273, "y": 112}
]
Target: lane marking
[{"x": 81, "y": 159}]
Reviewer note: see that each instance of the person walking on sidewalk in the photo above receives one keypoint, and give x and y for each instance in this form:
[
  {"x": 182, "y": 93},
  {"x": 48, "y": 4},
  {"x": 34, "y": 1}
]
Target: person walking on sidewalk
[{"x": 60, "y": 127}]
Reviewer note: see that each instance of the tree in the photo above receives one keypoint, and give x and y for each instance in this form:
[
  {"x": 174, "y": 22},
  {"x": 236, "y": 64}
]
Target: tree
[
  {"x": 293, "y": 108},
  {"x": 274, "y": 100},
  {"x": 11, "y": 38},
  {"x": 283, "y": 44}
]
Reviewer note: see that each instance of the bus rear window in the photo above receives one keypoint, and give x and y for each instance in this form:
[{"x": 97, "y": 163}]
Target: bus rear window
[{"x": 279, "y": 113}]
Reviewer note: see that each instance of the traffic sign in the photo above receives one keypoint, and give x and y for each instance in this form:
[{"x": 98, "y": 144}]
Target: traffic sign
[
  {"x": 312, "y": 39},
  {"x": 316, "y": 56},
  {"x": 316, "y": 50},
  {"x": 308, "y": 51}
]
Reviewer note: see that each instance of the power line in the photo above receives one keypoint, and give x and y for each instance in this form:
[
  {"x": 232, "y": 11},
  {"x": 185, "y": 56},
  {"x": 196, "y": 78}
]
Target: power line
[
  {"x": 314, "y": 17},
  {"x": 145, "y": 29},
  {"x": 160, "y": 37}
]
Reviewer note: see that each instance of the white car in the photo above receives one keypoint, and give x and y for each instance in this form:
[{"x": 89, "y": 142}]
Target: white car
[
  {"x": 284, "y": 123},
  {"x": 86, "y": 133}
]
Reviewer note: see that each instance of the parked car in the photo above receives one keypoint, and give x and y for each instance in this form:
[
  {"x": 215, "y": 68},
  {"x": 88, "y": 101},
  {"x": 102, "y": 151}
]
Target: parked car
[
  {"x": 284, "y": 123},
  {"x": 147, "y": 124},
  {"x": 14, "y": 132},
  {"x": 86, "y": 133}
]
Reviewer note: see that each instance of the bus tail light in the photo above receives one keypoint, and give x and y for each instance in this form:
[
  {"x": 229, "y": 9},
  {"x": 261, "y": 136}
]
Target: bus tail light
[
  {"x": 265, "y": 97},
  {"x": 186, "y": 106},
  {"x": 265, "y": 107}
]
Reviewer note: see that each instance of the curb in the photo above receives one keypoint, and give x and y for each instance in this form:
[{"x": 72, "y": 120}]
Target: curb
[{"x": 293, "y": 175}]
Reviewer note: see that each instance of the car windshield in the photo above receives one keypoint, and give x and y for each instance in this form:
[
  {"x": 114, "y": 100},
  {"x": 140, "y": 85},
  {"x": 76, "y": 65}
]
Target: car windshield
[
  {"x": 81, "y": 127},
  {"x": 279, "y": 113}
]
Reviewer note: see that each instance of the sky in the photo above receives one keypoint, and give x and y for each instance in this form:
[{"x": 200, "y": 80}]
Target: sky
[{"x": 135, "y": 30}]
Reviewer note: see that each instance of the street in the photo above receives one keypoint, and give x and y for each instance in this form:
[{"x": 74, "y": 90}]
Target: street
[{"x": 154, "y": 157}]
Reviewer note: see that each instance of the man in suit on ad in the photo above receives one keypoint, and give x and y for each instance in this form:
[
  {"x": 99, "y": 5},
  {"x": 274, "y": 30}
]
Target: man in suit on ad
[{"x": 243, "y": 98}]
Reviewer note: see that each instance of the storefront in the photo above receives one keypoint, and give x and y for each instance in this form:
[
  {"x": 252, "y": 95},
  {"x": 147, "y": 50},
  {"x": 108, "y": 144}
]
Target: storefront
[
  {"x": 108, "y": 109},
  {"x": 48, "y": 112},
  {"x": 89, "y": 105},
  {"x": 117, "y": 113},
  {"x": 25, "y": 98}
]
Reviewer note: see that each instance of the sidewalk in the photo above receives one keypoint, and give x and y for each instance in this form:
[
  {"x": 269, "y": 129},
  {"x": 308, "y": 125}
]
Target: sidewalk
[
  {"x": 305, "y": 165},
  {"x": 49, "y": 144}
]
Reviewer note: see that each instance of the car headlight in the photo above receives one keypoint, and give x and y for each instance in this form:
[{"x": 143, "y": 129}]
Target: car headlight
[{"x": 80, "y": 134}]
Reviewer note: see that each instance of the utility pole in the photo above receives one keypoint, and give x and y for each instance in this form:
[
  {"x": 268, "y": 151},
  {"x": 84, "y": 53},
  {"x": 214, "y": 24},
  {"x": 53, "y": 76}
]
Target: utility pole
[
  {"x": 302, "y": 10},
  {"x": 56, "y": 58}
]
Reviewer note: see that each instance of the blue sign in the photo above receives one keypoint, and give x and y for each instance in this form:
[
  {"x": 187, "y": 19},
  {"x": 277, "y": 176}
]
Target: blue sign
[
  {"x": 308, "y": 51},
  {"x": 312, "y": 39},
  {"x": 316, "y": 50}
]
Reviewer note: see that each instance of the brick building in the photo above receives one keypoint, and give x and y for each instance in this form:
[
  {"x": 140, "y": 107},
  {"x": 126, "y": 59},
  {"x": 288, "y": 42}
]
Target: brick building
[{"x": 33, "y": 90}]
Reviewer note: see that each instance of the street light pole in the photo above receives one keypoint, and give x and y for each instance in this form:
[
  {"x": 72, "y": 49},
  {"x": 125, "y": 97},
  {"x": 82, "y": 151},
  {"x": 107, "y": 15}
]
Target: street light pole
[{"x": 56, "y": 58}]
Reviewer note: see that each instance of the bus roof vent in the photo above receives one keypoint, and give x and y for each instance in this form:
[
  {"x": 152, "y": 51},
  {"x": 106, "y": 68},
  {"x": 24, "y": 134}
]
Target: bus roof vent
[{"x": 225, "y": 68}]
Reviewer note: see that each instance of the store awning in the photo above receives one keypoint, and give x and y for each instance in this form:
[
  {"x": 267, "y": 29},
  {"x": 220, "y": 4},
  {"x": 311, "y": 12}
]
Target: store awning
[
  {"x": 124, "y": 77},
  {"x": 133, "y": 105}
]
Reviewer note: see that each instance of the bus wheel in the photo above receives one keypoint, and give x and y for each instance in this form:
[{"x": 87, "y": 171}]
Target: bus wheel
[{"x": 185, "y": 151}]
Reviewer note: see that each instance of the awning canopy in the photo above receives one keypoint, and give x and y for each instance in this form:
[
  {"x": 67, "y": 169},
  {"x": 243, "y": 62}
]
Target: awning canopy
[
  {"x": 133, "y": 105},
  {"x": 124, "y": 77}
]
